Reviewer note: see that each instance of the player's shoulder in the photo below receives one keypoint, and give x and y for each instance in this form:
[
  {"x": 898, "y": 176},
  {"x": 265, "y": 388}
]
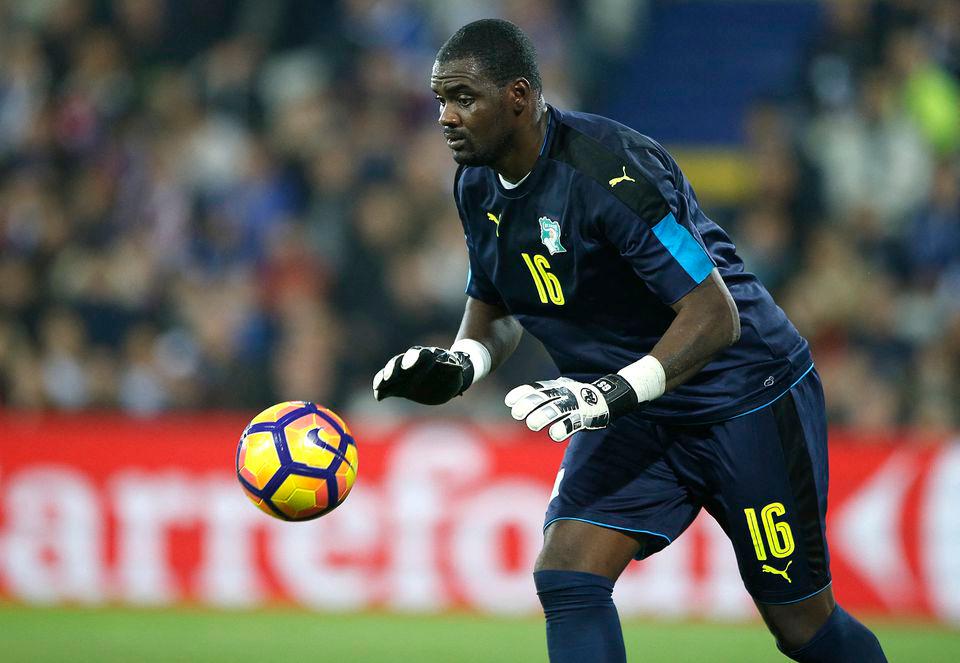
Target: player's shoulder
[
  {"x": 613, "y": 154},
  {"x": 582, "y": 137}
]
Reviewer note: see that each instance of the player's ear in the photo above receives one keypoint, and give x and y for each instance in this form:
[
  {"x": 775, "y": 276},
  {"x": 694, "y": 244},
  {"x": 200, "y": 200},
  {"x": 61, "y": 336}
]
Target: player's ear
[{"x": 520, "y": 95}]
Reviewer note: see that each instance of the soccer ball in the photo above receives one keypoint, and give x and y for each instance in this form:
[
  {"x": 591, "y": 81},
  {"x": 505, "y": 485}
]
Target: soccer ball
[{"x": 297, "y": 461}]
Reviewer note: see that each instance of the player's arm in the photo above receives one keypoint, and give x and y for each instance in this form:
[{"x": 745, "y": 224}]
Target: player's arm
[
  {"x": 429, "y": 375},
  {"x": 707, "y": 321},
  {"x": 654, "y": 234},
  {"x": 492, "y": 326}
]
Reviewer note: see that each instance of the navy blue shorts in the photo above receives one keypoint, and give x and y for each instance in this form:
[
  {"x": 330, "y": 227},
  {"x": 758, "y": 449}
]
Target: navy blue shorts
[{"x": 762, "y": 475}]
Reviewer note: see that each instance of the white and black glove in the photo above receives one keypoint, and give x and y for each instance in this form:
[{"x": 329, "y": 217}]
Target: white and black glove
[
  {"x": 568, "y": 406},
  {"x": 425, "y": 375}
]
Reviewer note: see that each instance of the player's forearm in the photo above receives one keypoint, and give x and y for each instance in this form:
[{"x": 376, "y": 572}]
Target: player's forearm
[
  {"x": 683, "y": 362},
  {"x": 491, "y": 326},
  {"x": 707, "y": 322}
]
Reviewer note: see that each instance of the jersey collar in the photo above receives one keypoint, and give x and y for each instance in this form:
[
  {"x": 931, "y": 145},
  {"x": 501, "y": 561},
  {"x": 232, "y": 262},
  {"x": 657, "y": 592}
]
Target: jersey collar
[{"x": 533, "y": 176}]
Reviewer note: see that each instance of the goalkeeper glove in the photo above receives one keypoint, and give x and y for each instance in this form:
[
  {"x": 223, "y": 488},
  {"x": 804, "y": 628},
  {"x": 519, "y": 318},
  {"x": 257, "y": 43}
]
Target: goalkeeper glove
[
  {"x": 568, "y": 406},
  {"x": 425, "y": 375}
]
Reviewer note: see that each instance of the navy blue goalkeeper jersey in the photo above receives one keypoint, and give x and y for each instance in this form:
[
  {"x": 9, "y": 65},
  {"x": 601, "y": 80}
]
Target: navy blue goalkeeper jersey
[{"x": 591, "y": 249}]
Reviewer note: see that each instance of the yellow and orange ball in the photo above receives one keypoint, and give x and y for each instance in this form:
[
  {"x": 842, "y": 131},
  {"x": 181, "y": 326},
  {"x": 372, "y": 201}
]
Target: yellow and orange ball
[{"x": 297, "y": 460}]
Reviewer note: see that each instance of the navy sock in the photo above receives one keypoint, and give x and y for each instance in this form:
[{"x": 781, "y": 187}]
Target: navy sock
[
  {"x": 840, "y": 640},
  {"x": 582, "y": 622}
]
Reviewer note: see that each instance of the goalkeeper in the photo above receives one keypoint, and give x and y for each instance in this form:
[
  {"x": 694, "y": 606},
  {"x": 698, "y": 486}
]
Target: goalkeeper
[{"x": 684, "y": 385}]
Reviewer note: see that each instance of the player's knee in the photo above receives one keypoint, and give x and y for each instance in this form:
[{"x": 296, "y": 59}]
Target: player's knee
[
  {"x": 558, "y": 558},
  {"x": 571, "y": 545},
  {"x": 795, "y": 631},
  {"x": 572, "y": 590},
  {"x": 796, "y": 624},
  {"x": 581, "y": 619},
  {"x": 838, "y": 640},
  {"x": 566, "y": 555}
]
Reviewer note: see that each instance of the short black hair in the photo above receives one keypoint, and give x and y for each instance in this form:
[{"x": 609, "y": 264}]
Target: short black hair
[{"x": 503, "y": 51}]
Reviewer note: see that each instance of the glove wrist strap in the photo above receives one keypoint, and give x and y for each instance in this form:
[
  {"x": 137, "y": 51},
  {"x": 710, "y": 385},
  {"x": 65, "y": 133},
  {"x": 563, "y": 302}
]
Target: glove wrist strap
[
  {"x": 646, "y": 376},
  {"x": 620, "y": 396},
  {"x": 477, "y": 357}
]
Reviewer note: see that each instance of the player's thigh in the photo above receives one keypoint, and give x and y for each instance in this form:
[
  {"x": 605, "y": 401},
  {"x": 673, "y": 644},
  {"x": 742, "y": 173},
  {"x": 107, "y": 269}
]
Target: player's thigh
[
  {"x": 794, "y": 624},
  {"x": 765, "y": 482},
  {"x": 616, "y": 498},
  {"x": 573, "y": 545}
]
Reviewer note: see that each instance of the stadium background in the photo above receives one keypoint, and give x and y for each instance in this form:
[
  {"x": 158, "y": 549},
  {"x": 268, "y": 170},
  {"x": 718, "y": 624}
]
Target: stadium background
[{"x": 209, "y": 207}]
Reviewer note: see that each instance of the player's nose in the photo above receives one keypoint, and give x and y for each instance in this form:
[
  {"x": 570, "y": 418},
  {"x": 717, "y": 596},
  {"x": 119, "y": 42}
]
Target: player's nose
[{"x": 448, "y": 117}]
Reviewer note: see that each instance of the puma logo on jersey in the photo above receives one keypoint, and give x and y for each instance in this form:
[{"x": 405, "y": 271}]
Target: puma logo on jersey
[
  {"x": 496, "y": 220},
  {"x": 626, "y": 178},
  {"x": 769, "y": 569}
]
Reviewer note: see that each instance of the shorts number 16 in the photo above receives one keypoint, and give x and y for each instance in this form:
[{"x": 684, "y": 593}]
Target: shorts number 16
[{"x": 778, "y": 534}]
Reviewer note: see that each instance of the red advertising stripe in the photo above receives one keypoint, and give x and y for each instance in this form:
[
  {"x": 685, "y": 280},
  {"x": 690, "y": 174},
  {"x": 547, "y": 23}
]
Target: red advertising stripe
[{"x": 444, "y": 513}]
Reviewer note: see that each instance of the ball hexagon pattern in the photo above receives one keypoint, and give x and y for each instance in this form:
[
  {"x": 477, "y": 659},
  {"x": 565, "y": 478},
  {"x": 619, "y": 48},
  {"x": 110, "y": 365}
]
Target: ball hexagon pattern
[
  {"x": 297, "y": 460},
  {"x": 300, "y": 496}
]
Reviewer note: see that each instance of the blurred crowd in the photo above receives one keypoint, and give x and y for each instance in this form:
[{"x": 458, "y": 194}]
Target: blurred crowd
[
  {"x": 225, "y": 204},
  {"x": 855, "y": 223}
]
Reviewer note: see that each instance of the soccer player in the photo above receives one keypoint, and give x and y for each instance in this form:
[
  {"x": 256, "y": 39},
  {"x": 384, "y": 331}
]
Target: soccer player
[{"x": 684, "y": 385}]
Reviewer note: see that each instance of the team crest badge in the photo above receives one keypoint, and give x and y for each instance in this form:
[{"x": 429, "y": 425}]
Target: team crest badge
[{"x": 550, "y": 235}]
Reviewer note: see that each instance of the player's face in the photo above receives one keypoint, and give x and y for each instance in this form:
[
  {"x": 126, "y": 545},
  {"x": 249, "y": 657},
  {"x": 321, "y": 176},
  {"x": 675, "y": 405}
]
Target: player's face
[{"x": 473, "y": 113}]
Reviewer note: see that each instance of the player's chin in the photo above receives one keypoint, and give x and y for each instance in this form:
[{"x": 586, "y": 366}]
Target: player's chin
[{"x": 467, "y": 157}]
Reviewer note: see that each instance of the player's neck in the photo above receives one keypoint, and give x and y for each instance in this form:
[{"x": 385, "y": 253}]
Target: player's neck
[{"x": 529, "y": 141}]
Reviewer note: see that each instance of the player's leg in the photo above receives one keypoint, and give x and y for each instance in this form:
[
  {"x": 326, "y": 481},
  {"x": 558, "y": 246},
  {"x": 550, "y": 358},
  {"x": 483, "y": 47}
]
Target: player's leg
[
  {"x": 574, "y": 545},
  {"x": 574, "y": 575},
  {"x": 815, "y": 629},
  {"x": 615, "y": 500},
  {"x": 818, "y": 630},
  {"x": 795, "y": 624},
  {"x": 768, "y": 490}
]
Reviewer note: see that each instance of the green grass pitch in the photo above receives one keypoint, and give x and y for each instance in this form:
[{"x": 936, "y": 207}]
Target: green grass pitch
[{"x": 39, "y": 635}]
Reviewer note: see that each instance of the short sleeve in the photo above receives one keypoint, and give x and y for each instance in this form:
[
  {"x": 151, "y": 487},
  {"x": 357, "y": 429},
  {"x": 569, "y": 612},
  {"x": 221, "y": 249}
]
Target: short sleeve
[
  {"x": 649, "y": 225},
  {"x": 478, "y": 285}
]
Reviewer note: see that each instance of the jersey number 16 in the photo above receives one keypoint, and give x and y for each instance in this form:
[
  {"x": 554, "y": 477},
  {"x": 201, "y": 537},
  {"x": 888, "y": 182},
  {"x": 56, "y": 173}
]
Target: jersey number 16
[{"x": 548, "y": 285}]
